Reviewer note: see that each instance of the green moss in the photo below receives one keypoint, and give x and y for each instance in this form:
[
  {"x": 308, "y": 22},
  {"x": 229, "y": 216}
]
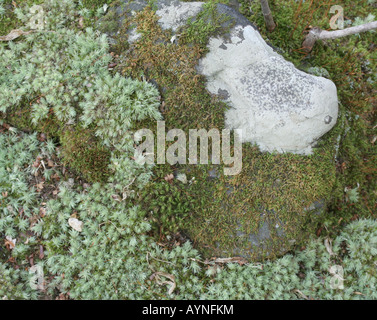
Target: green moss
[
  {"x": 207, "y": 23},
  {"x": 81, "y": 150},
  {"x": 84, "y": 153},
  {"x": 351, "y": 64},
  {"x": 109, "y": 23},
  {"x": 9, "y": 20},
  {"x": 273, "y": 188}
]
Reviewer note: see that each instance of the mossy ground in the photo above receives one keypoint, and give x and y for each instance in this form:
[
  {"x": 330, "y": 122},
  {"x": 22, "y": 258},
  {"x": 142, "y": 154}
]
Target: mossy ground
[
  {"x": 174, "y": 205},
  {"x": 268, "y": 183},
  {"x": 80, "y": 149},
  {"x": 351, "y": 63}
]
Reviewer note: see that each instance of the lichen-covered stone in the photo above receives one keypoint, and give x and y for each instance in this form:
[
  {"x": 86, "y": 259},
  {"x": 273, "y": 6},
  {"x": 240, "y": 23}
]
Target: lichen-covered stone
[{"x": 277, "y": 106}]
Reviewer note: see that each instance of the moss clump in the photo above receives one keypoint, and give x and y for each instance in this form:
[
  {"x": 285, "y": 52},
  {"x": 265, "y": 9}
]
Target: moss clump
[
  {"x": 109, "y": 23},
  {"x": 207, "y": 23},
  {"x": 83, "y": 152},
  {"x": 271, "y": 188},
  {"x": 115, "y": 257},
  {"x": 351, "y": 63},
  {"x": 59, "y": 83}
]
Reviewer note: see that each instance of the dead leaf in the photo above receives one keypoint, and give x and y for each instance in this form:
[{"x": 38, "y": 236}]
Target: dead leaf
[
  {"x": 41, "y": 252},
  {"x": 81, "y": 22},
  {"x": 239, "y": 260},
  {"x": 116, "y": 197},
  {"x": 169, "y": 178},
  {"x": 328, "y": 246},
  {"x": 42, "y": 211},
  {"x": 42, "y": 137},
  {"x": 36, "y": 163},
  {"x": 10, "y": 243},
  {"x": 61, "y": 296},
  {"x": 301, "y": 294},
  {"x": 158, "y": 275},
  {"x": 40, "y": 186},
  {"x": 14, "y": 34}
]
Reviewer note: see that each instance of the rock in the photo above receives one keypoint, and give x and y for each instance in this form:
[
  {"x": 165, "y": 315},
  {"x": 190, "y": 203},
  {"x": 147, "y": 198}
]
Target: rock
[
  {"x": 75, "y": 224},
  {"x": 175, "y": 14},
  {"x": 277, "y": 106}
]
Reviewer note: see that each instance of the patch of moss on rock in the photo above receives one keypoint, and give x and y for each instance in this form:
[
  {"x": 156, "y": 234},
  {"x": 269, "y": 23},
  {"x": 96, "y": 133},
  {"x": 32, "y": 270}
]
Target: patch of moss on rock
[{"x": 276, "y": 201}]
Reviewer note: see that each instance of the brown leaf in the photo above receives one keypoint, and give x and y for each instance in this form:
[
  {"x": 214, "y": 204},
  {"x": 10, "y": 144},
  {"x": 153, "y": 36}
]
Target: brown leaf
[
  {"x": 10, "y": 243},
  {"x": 239, "y": 260},
  {"x": 36, "y": 163},
  {"x": 169, "y": 178},
  {"x": 50, "y": 163},
  {"x": 42, "y": 137},
  {"x": 157, "y": 276},
  {"x": 81, "y": 22},
  {"x": 40, "y": 186},
  {"x": 41, "y": 252},
  {"x": 14, "y": 34},
  {"x": 62, "y": 296},
  {"x": 31, "y": 259},
  {"x": 42, "y": 211}
]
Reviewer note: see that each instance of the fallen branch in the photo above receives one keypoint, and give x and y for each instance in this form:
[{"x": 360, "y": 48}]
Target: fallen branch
[
  {"x": 319, "y": 34},
  {"x": 268, "y": 19}
]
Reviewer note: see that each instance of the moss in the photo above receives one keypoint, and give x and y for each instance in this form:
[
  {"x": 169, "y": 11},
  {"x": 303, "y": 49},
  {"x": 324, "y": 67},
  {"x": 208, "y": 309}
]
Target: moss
[
  {"x": 351, "y": 64},
  {"x": 81, "y": 150},
  {"x": 84, "y": 153},
  {"x": 109, "y": 23},
  {"x": 9, "y": 21},
  {"x": 273, "y": 188},
  {"x": 207, "y": 23}
]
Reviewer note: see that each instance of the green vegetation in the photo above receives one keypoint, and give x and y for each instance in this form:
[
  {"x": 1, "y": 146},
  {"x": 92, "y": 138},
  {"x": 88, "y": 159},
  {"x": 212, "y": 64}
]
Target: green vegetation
[
  {"x": 115, "y": 256},
  {"x": 207, "y": 23},
  {"x": 58, "y": 79},
  {"x": 137, "y": 220},
  {"x": 351, "y": 63},
  {"x": 276, "y": 189}
]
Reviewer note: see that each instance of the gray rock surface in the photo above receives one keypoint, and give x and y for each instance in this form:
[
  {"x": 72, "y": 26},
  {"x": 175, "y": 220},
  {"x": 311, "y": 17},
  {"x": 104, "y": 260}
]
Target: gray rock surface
[{"x": 277, "y": 106}]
